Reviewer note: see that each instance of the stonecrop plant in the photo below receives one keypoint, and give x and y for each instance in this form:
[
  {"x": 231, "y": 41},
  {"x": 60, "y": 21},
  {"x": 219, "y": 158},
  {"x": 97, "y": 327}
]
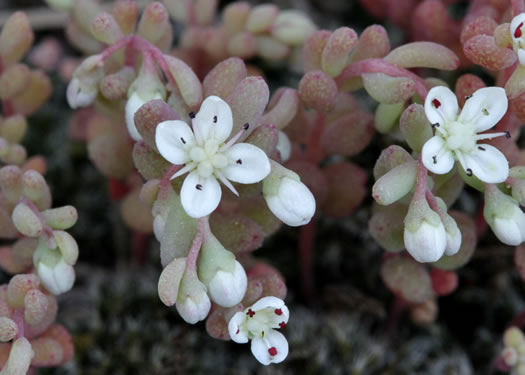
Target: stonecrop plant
[{"x": 412, "y": 129}]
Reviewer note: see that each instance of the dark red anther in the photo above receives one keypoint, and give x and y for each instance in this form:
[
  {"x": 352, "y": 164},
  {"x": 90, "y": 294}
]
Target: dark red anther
[
  {"x": 282, "y": 325},
  {"x": 517, "y": 32},
  {"x": 436, "y": 103},
  {"x": 272, "y": 351},
  {"x": 238, "y": 330},
  {"x": 250, "y": 313},
  {"x": 278, "y": 311}
]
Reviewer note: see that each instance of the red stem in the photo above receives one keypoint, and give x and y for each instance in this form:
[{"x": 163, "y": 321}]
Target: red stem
[
  {"x": 306, "y": 255},
  {"x": 381, "y": 66},
  {"x": 193, "y": 254},
  {"x": 314, "y": 153}
]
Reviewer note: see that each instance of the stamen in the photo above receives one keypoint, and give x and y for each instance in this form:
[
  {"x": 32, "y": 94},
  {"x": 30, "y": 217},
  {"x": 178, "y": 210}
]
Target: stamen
[
  {"x": 436, "y": 125},
  {"x": 226, "y": 182},
  {"x": 467, "y": 97},
  {"x": 517, "y": 32},
  {"x": 250, "y": 313},
  {"x": 234, "y": 138},
  {"x": 239, "y": 161},
  {"x": 272, "y": 351},
  {"x": 468, "y": 171},
  {"x": 507, "y": 134},
  {"x": 434, "y": 159},
  {"x": 198, "y": 187},
  {"x": 182, "y": 140},
  {"x": 278, "y": 312},
  {"x": 192, "y": 115},
  {"x": 479, "y": 137},
  {"x": 485, "y": 111},
  {"x": 186, "y": 168},
  {"x": 481, "y": 148},
  {"x": 436, "y": 103},
  {"x": 214, "y": 119},
  {"x": 238, "y": 330},
  {"x": 282, "y": 325}
]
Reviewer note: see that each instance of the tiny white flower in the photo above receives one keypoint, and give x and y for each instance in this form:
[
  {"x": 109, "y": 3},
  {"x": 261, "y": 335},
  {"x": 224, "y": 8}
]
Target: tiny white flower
[
  {"x": 193, "y": 303},
  {"x": 208, "y": 157},
  {"x": 457, "y": 135},
  {"x": 83, "y": 88},
  {"x": 427, "y": 243},
  {"x": 228, "y": 288},
  {"x": 57, "y": 279},
  {"x": 510, "y": 229},
  {"x": 518, "y": 37},
  {"x": 453, "y": 242},
  {"x": 135, "y": 101},
  {"x": 259, "y": 323}
]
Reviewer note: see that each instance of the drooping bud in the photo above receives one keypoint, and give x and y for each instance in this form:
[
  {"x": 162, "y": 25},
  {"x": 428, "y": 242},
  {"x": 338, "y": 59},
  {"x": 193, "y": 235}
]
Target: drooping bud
[
  {"x": 193, "y": 303},
  {"x": 83, "y": 88},
  {"x": 56, "y": 275}
]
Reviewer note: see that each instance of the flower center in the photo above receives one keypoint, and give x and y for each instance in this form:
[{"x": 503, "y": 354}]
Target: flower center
[
  {"x": 208, "y": 158},
  {"x": 460, "y": 136}
]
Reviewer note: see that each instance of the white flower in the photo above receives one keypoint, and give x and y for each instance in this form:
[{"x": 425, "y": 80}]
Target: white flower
[
  {"x": 83, "y": 88},
  {"x": 207, "y": 157},
  {"x": 427, "y": 243},
  {"x": 457, "y": 136},
  {"x": 258, "y": 323},
  {"x": 193, "y": 303},
  {"x": 57, "y": 279},
  {"x": 510, "y": 229},
  {"x": 288, "y": 198},
  {"x": 133, "y": 104},
  {"x": 518, "y": 38},
  {"x": 228, "y": 288}
]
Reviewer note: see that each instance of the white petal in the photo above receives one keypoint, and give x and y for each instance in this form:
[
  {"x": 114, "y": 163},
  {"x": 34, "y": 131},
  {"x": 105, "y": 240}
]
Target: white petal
[
  {"x": 132, "y": 106},
  {"x": 510, "y": 231},
  {"x": 227, "y": 289},
  {"x": 521, "y": 56},
  {"x": 78, "y": 96},
  {"x": 200, "y": 196},
  {"x": 485, "y": 108},
  {"x": 249, "y": 164},
  {"x": 427, "y": 244},
  {"x": 193, "y": 311},
  {"x": 516, "y": 21},
  {"x": 281, "y": 315},
  {"x": 294, "y": 204},
  {"x": 284, "y": 146},
  {"x": 64, "y": 276},
  {"x": 45, "y": 273},
  {"x": 435, "y": 157},
  {"x": 237, "y": 334},
  {"x": 267, "y": 302},
  {"x": 441, "y": 105},
  {"x": 170, "y": 137},
  {"x": 214, "y": 120},
  {"x": 489, "y": 166},
  {"x": 273, "y": 340},
  {"x": 453, "y": 243}
]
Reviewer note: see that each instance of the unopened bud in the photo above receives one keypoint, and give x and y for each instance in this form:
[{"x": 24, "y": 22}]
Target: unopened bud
[{"x": 193, "y": 303}]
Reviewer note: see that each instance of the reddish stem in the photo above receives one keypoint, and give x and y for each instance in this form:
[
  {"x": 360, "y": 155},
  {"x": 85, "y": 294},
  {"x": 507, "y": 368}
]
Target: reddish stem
[
  {"x": 381, "y": 66},
  {"x": 398, "y": 306},
  {"x": 193, "y": 254},
  {"x": 115, "y": 47},
  {"x": 314, "y": 153},
  {"x": 421, "y": 184},
  {"x": 306, "y": 255},
  {"x": 139, "y": 247}
]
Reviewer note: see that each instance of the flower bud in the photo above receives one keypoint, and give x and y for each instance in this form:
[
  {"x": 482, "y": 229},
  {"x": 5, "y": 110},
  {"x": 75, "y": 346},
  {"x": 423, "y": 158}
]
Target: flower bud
[
  {"x": 193, "y": 303},
  {"x": 56, "y": 275},
  {"x": 504, "y": 216},
  {"x": 287, "y": 197},
  {"x": 83, "y": 88},
  {"x": 224, "y": 276},
  {"x": 451, "y": 228},
  {"x": 424, "y": 236}
]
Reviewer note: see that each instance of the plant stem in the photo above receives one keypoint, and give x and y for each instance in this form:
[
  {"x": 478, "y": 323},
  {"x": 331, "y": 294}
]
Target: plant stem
[
  {"x": 193, "y": 254},
  {"x": 306, "y": 256}
]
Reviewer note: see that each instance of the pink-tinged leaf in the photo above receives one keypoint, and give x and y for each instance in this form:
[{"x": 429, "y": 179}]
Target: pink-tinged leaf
[
  {"x": 349, "y": 134},
  {"x": 149, "y": 116},
  {"x": 318, "y": 90},
  {"x": 136, "y": 214},
  {"x": 336, "y": 51},
  {"x": 36, "y": 305},
  {"x": 265, "y": 137},
  {"x": 443, "y": 282},
  {"x": 7, "y": 262},
  {"x": 49, "y": 318},
  {"x": 258, "y": 211},
  {"x": 386, "y": 226},
  {"x": 466, "y": 85},
  {"x": 388, "y": 90},
  {"x": 111, "y": 153},
  {"x": 346, "y": 189},
  {"x": 58, "y": 333},
  {"x": 35, "y": 94},
  {"x": 282, "y": 108},
  {"x": 479, "y": 26},
  {"x": 373, "y": 43},
  {"x": 517, "y": 105},
  {"x": 243, "y": 45},
  {"x": 407, "y": 279},
  {"x": 271, "y": 280},
  {"x": 217, "y": 325},
  {"x": 516, "y": 83},
  {"x": 224, "y": 77},
  {"x": 390, "y": 158},
  {"x": 247, "y": 102},
  {"x": 502, "y": 36},
  {"x": 188, "y": 83},
  {"x": 169, "y": 281},
  {"x": 48, "y": 352},
  {"x": 148, "y": 162},
  {"x": 425, "y": 55},
  {"x": 482, "y": 50},
  {"x": 313, "y": 50},
  {"x": 237, "y": 233},
  {"x": 431, "y": 21}
]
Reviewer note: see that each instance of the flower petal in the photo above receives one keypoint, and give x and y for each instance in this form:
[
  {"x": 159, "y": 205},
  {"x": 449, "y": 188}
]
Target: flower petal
[
  {"x": 237, "y": 334},
  {"x": 132, "y": 106},
  {"x": 172, "y": 139},
  {"x": 521, "y": 56},
  {"x": 436, "y": 158},
  {"x": 272, "y": 349},
  {"x": 249, "y": 164},
  {"x": 200, "y": 196},
  {"x": 441, "y": 105},
  {"x": 516, "y": 22},
  {"x": 267, "y": 302},
  {"x": 485, "y": 108},
  {"x": 489, "y": 165},
  {"x": 214, "y": 120}
]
